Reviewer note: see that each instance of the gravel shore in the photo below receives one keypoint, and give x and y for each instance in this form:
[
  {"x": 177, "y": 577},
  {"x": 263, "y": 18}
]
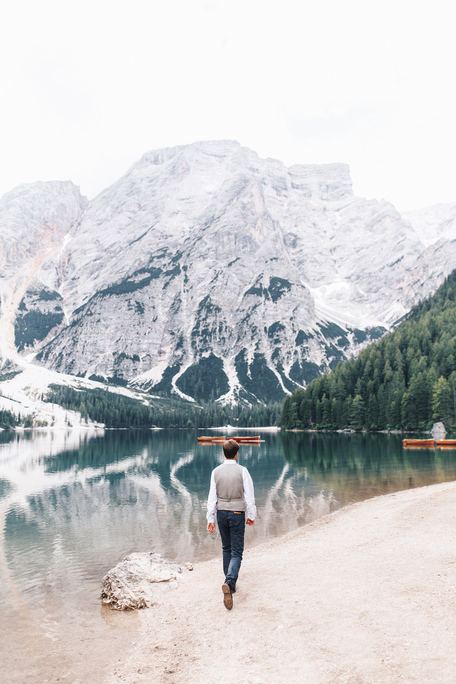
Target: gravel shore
[{"x": 366, "y": 595}]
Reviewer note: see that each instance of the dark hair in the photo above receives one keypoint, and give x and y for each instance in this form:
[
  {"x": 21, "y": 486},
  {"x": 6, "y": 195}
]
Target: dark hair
[{"x": 230, "y": 448}]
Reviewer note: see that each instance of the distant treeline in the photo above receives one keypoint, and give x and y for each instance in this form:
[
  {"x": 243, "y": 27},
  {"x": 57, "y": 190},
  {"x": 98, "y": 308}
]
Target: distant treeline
[
  {"x": 9, "y": 420},
  {"x": 119, "y": 411},
  {"x": 407, "y": 380}
]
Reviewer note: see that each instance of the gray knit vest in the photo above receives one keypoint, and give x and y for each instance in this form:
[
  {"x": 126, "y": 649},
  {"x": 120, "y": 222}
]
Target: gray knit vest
[{"x": 230, "y": 488}]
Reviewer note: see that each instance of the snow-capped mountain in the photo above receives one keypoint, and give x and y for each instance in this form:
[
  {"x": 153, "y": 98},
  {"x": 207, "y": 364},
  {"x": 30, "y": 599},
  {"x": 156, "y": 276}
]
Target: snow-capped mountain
[{"x": 210, "y": 272}]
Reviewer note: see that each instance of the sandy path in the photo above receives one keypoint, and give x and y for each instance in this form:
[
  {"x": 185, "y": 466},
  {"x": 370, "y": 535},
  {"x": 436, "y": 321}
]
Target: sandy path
[{"x": 366, "y": 595}]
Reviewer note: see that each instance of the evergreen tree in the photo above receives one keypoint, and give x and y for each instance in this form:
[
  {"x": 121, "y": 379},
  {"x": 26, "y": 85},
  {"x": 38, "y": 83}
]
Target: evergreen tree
[{"x": 442, "y": 402}]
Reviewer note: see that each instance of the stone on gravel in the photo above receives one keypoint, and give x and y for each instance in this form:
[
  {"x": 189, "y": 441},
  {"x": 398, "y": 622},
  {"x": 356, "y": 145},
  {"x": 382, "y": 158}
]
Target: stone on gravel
[{"x": 133, "y": 582}]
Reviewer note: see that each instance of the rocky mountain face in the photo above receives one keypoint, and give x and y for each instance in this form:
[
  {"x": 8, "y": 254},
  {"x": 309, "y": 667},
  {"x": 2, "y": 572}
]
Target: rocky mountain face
[
  {"x": 34, "y": 222},
  {"x": 210, "y": 272}
]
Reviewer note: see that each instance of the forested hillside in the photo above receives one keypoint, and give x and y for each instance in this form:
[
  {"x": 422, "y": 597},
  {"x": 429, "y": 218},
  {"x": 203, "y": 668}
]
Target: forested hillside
[
  {"x": 407, "y": 380},
  {"x": 117, "y": 411}
]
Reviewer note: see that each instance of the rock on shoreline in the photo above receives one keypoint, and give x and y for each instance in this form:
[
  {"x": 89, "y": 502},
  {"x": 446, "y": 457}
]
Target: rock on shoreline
[{"x": 133, "y": 582}]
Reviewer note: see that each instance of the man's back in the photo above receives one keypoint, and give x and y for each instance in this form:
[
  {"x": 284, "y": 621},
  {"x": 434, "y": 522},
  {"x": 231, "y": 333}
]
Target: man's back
[{"x": 230, "y": 487}]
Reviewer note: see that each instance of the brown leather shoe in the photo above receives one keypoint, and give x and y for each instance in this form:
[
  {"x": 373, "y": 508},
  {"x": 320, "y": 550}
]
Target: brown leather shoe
[{"x": 227, "y": 596}]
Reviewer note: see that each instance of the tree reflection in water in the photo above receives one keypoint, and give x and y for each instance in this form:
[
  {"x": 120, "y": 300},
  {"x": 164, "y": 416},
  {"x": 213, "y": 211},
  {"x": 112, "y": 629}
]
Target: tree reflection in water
[{"x": 360, "y": 466}]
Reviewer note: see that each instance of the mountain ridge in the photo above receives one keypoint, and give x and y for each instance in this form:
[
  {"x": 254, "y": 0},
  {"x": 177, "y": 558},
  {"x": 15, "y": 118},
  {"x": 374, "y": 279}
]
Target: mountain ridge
[{"x": 205, "y": 260}]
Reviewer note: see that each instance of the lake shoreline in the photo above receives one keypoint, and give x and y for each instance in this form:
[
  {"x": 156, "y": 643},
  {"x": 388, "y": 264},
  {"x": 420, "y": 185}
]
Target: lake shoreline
[{"x": 363, "y": 594}]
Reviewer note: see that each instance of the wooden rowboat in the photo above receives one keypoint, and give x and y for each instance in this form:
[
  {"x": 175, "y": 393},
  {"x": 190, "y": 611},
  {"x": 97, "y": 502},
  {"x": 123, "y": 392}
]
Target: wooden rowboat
[
  {"x": 418, "y": 443},
  {"x": 446, "y": 443},
  {"x": 246, "y": 440},
  {"x": 212, "y": 440},
  {"x": 220, "y": 440}
]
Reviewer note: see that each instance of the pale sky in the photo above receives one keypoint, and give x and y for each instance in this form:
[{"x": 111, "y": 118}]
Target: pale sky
[{"x": 88, "y": 86}]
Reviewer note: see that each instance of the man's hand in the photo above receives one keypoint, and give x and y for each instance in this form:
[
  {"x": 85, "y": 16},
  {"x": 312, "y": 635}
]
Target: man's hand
[
  {"x": 211, "y": 527},
  {"x": 250, "y": 522}
]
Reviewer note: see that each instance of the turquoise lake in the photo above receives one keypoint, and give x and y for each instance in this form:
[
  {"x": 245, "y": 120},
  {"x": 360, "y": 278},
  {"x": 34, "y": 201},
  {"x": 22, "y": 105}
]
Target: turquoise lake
[{"x": 73, "y": 504}]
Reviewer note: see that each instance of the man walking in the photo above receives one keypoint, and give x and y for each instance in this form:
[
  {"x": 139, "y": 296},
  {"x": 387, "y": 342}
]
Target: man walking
[{"x": 231, "y": 495}]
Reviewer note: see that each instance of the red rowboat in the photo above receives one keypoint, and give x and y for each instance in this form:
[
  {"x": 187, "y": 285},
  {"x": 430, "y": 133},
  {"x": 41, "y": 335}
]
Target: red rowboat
[
  {"x": 220, "y": 440},
  {"x": 246, "y": 440},
  {"x": 416, "y": 443},
  {"x": 211, "y": 440}
]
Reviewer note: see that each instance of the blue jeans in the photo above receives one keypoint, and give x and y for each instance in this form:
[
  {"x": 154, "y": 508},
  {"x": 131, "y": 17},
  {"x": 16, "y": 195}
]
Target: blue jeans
[{"x": 232, "y": 530}]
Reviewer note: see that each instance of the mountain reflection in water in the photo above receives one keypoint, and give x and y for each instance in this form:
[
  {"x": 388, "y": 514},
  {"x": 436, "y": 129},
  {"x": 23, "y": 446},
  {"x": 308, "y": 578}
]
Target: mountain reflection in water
[{"x": 72, "y": 505}]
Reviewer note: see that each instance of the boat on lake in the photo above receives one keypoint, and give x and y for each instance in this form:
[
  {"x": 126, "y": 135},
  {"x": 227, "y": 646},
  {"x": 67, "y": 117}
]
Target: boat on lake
[
  {"x": 246, "y": 440},
  {"x": 449, "y": 443},
  {"x": 219, "y": 440},
  {"x": 418, "y": 443},
  {"x": 211, "y": 440}
]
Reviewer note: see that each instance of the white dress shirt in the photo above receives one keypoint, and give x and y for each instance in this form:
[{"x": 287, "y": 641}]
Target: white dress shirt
[{"x": 248, "y": 493}]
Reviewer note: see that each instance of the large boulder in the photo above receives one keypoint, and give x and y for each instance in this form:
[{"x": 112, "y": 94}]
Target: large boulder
[
  {"x": 133, "y": 583},
  {"x": 438, "y": 431}
]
